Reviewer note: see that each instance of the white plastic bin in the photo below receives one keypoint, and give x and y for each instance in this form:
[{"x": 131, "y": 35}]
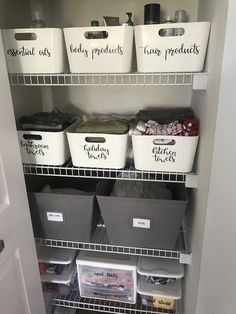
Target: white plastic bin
[
  {"x": 184, "y": 53},
  {"x": 34, "y": 50},
  {"x": 107, "y": 276},
  {"x": 164, "y": 153},
  {"x": 155, "y": 292},
  {"x": 160, "y": 296},
  {"x": 44, "y": 148},
  {"x": 100, "y": 55},
  {"x": 97, "y": 150}
]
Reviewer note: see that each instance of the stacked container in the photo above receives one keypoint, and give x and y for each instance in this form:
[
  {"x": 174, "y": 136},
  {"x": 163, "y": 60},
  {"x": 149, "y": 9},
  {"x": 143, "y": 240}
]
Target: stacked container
[
  {"x": 159, "y": 283},
  {"x": 107, "y": 276},
  {"x": 62, "y": 263}
]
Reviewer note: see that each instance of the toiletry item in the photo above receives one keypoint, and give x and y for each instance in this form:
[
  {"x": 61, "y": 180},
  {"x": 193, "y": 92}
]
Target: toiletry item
[
  {"x": 94, "y": 23},
  {"x": 129, "y": 22},
  {"x": 167, "y": 31},
  {"x": 180, "y": 17},
  {"x": 111, "y": 21},
  {"x": 94, "y": 34},
  {"x": 37, "y": 22},
  {"x": 152, "y": 13}
]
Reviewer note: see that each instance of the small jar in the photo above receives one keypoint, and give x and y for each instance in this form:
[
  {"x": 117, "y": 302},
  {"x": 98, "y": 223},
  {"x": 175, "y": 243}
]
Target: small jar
[
  {"x": 180, "y": 17},
  {"x": 152, "y": 13}
]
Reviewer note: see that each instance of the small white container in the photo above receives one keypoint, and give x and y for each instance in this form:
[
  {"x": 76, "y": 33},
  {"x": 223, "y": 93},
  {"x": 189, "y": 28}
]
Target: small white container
[
  {"x": 164, "y": 153},
  {"x": 34, "y": 50},
  {"x": 44, "y": 148},
  {"x": 159, "y": 296},
  {"x": 97, "y": 150},
  {"x": 107, "y": 276},
  {"x": 185, "y": 53},
  {"x": 65, "y": 278},
  {"x": 100, "y": 55},
  {"x": 160, "y": 267},
  {"x": 52, "y": 255}
]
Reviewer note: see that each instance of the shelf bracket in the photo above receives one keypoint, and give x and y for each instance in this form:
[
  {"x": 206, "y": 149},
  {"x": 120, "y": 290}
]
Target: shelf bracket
[
  {"x": 185, "y": 258},
  {"x": 200, "y": 81},
  {"x": 191, "y": 180}
]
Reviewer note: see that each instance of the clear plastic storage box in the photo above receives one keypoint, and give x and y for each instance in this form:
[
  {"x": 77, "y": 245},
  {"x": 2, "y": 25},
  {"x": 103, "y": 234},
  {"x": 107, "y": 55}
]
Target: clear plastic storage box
[
  {"x": 161, "y": 296},
  {"x": 107, "y": 276},
  {"x": 159, "y": 283}
]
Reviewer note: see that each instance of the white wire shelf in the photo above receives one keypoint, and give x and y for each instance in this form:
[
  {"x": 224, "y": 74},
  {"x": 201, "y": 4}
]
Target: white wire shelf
[
  {"x": 74, "y": 300},
  {"x": 197, "y": 80},
  {"x": 100, "y": 242},
  {"x": 129, "y": 173}
]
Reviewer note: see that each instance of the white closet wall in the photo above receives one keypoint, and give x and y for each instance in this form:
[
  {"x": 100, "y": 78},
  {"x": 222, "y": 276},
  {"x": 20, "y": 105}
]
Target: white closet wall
[
  {"x": 17, "y": 14},
  {"x": 217, "y": 280},
  {"x": 122, "y": 100},
  {"x": 205, "y": 105}
]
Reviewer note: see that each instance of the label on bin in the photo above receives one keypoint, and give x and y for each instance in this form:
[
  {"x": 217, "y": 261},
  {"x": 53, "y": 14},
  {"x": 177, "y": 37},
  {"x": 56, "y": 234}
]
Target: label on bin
[
  {"x": 53, "y": 216},
  {"x": 141, "y": 223},
  {"x": 163, "y": 303}
]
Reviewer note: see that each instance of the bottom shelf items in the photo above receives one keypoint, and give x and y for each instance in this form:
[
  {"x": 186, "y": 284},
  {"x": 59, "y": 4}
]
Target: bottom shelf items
[{"x": 74, "y": 300}]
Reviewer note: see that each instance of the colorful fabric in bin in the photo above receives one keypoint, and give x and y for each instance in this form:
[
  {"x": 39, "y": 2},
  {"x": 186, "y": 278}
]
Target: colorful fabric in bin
[
  {"x": 165, "y": 115},
  {"x": 169, "y": 122}
]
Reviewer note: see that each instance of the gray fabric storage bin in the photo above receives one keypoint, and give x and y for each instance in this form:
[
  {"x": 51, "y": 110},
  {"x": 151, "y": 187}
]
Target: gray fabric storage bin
[
  {"x": 150, "y": 223},
  {"x": 61, "y": 216}
]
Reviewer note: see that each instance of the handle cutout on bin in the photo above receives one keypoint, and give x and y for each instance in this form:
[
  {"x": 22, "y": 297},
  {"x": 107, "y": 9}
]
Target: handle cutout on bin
[
  {"x": 2, "y": 246},
  {"x": 25, "y": 36},
  {"x": 96, "y": 35},
  {"x": 160, "y": 141},
  {"x": 178, "y": 31},
  {"x": 34, "y": 137},
  {"x": 95, "y": 139}
]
